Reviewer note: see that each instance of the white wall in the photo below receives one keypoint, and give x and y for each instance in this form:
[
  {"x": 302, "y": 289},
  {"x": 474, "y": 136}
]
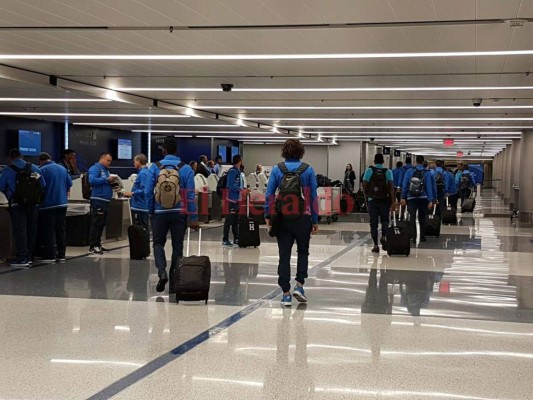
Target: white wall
[
  {"x": 270, "y": 154},
  {"x": 339, "y": 156}
]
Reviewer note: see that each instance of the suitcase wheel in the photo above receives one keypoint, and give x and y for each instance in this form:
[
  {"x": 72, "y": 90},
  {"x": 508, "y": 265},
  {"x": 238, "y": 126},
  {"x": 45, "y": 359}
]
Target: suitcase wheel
[
  {"x": 335, "y": 218},
  {"x": 328, "y": 220}
]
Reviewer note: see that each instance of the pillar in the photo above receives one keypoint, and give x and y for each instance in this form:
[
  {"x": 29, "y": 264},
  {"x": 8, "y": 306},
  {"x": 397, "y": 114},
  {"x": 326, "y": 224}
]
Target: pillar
[
  {"x": 516, "y": 157},
  {"x": 526, "y": 178}
]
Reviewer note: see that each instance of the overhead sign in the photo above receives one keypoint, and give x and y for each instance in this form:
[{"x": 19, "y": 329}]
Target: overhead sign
[
  {"x": 397, "y": 153},
  {"x": 448, "y": 142},
  {"x": 386, "y": 151},
  {"x": 460, "y": 154}
]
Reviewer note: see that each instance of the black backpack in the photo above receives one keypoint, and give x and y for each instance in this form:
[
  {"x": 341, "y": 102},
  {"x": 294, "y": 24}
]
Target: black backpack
[
  {"x": 222, "y": 184},
  {"x": 290, "y": 202},
  {"x": 416, "y": 184},
  {"x": 85, "y": 186},
  {"x": 465, "y": 182},
  {"x": 439, "y": 180},
  {"x": 377, "y": 187},
  {"x": 28, "y": 188}
]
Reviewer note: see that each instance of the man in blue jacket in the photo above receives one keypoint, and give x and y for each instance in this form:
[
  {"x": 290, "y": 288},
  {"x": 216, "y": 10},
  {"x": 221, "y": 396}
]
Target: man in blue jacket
[
  {"x": 101, "y": 195},
  {"x": 441, "y": 183},
  {"x": 139, "y": 208},
  {"x": 233, "y": 197},
  {"x": 53, "y": 209},
  {"x": 418, "y": 193},
  {"x": 464, "y": 181},
  {"x": 397, "y": 174},
  {"x": 298, "y": 227},
  {"x": 451, "y": 189},
  {"x": 170, "y": 219},
  {"x": 23, "y": 217}
]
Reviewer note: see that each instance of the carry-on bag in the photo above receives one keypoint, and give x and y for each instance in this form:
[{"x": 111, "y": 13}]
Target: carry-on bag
[
  {"x": 398, "y": 239},
  {"x": 433, "y": 222},
  {"x": 139, "y": 240},
  {"x": 192, "y": 277},
  {"x": 248, "y": 229},
  {"x": 468, "y": 205},
  {"x": 404, "y": 222},
  {"x": 449, "y": 214}
]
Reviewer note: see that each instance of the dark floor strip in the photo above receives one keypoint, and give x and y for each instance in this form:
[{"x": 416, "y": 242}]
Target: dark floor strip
[{"x": 183, "y": 348}]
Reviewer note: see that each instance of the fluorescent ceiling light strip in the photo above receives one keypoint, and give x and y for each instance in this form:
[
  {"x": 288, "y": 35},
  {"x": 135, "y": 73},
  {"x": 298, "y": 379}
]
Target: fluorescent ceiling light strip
[
  {"x": 221, "y": 132},
  {"x": 50, "y": 114},
  {"x": 362, "y": 107},
  {"x": 249, "y": 137},
  {"x": 213, "y": 57},
  {"x": 401, "y": 127},
  {"x": 35, "y": 99},
  {"x": 441, "y": 133},
  {"x": 389, "y": 119},
  {"x": 333, "y": 89},
  {"x": 149, "y": 124}
]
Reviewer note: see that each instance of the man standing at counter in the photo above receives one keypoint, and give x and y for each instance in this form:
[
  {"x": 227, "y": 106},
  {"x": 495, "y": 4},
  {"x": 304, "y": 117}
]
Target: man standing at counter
[
  {"x": 53, "y": 209},
  {"x": 70, "y": 162},
  {"x": 139, "y": 210},
  {"x": 23, "y": 185},
  {"x": 101, "y": 194}
]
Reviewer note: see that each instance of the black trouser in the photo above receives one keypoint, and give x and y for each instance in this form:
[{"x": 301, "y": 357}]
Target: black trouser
[
  {"x": 54, "y": 234},
  {"x": 162, "y": 224},
  {"x": 232, "y": 220},
  {"x": 441, "y": 198},
  {"x": 99, "y": 210},
  {"x": 24, "y": 227},
  {"x": 420, "y": 205},
  {"x": 465, "y": 194},
  {"x": 290, "y": 230},
  {"x": 379, "y": 212},
  {"x": 453, "y": 199}
]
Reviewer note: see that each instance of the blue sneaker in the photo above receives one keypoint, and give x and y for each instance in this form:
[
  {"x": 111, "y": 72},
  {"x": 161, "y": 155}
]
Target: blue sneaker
[
  {"x": 227, "y": 243},
  {"x": 286, "y": 300},
  {"x": 299, "y": 294}
]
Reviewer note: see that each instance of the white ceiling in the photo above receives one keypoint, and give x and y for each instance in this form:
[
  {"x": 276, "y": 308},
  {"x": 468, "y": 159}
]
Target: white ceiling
[{"x": 134, "y": 27}]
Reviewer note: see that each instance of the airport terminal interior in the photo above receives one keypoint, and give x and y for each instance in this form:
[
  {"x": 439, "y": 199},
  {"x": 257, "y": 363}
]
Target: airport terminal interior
[{"x": 445, "y": 79}]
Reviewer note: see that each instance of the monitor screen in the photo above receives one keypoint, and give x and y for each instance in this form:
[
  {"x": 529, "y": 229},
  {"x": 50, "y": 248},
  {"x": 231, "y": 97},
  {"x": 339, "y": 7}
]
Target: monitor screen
[
  {"x": 30, "y": 143},
  {"x": 234, "y": 151},
  {"x": 124, "y": 149},
  {"x": 222, "y": 151}
]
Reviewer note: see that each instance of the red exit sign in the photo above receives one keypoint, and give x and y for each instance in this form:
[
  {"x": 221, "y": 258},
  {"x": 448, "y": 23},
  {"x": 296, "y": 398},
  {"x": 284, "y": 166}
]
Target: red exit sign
[
  {"x": 460, "y": 154},
  {"x": 448, "y": 142}
]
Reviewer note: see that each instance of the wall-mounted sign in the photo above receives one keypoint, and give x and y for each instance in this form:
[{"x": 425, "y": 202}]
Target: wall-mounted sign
[
  {"x": 397, "y": 153},
  {"x": 386, "y": 151},
  {"x": 448, "y": 142}
]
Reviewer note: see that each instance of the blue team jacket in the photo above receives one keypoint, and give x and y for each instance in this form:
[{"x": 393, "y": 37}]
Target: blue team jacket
[
  {"x": 429, "y": 185},
  {"x": 8, "y": 178},
  {"x": 100, "y": 187},
  {"x": 138, "y": 200},
  {"x": 186, "y": 184},
  {"x": 308, "y": 183},
  {"x": 234, "y": 185},
  {"x": 58, "y": 183}
]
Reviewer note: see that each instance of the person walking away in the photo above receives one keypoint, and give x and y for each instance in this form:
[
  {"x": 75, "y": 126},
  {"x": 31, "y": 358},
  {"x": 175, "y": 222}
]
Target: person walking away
[
  {"x": 23, "y": 185},
  {"x": 397, "y": 174},
  {"x": 451, "y": 189},
  {"x": 139, "y": 208},
  {"x": 169, "y": 194},
  {"x": 292, "y": 216},
  {"x": 233, "y": 196},
  {"x": 441, "y": 183},
  {"x": 378, "y": 186},
  {"x": 464, "y": 181},
  {"x": 53, "y": 209},
  {"x": 101, "y": 195},
  {"x": 418, "y": 194}
]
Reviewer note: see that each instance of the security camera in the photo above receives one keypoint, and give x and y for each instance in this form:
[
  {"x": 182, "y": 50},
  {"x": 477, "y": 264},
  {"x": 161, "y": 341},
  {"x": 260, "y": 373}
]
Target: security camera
[
  {"x": 477, "y": 102},
  {"x": 226, "y": 87},
  {"x": 372, "y": 139}
]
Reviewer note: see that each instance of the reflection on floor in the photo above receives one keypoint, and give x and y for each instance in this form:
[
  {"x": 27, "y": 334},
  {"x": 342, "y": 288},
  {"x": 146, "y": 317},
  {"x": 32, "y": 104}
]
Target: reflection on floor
[{"x": 452, "y": 321}]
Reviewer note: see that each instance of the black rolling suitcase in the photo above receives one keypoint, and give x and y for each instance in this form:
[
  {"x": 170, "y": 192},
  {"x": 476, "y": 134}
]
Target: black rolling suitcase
[
  {"x": 248, "y": 229},
  {"x": 449, "y": 214},
  {"x": 404, "y": 222},
  {"x": 192, "y": 277},
  {"x": 468, "y": 205},
  {"x": 398, "y": 239},
  {"x": 139, "y": 240},
  {"x": 433, "y": 222}
]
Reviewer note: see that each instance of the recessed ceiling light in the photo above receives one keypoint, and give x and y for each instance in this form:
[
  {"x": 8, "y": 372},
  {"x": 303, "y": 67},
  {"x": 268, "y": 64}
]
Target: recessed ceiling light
[{"x": 214, "y": 57}]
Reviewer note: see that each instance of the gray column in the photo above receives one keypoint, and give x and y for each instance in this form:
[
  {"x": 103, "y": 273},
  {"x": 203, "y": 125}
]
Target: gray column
[
  {"x": 507, "y": 177},
  {"x": 526, "y": 177},
  {"x": 515, "y": 170}
]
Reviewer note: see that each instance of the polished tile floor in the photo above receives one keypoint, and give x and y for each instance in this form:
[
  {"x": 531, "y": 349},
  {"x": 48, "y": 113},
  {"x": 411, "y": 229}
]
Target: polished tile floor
[{"x": 452, "y": 321}]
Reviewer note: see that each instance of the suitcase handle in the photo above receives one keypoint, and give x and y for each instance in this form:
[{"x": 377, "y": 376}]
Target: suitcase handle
[{"x": 189, "y": 241}]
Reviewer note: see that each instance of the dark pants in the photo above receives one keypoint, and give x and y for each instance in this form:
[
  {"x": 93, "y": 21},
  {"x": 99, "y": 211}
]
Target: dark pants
[
  {"x": 232, "y": 220},
  {"x": 465, "y": 194},
  {"x": 162, "y": 223},
  {"x": 99, "y": 210},
  {"x": 453, "y": 200},
  {"x": 140, "y": 218},
  {"x": 54, "y": 233},
  {"x": 299, "y": 230},
  {"x": 24, "y": 227},
  {"x": 420, "y": 205},
  {"x": 379, "y": 212},
  {"x": 441, "y": 198}
]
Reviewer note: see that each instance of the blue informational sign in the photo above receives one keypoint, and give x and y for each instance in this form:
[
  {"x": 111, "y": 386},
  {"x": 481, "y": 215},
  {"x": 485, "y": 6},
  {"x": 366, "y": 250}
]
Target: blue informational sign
[
  {"x": 124, "y": 149},
  {"x": 222, "y": 151},
  {"x": 477, "y": 172},
  {"x": 30, "y": 143},
  {"x": 234, "y": 151}
]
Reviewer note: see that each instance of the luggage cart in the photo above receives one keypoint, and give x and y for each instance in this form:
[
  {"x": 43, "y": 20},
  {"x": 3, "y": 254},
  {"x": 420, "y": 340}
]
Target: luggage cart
[{"x": 329, "y": 203}]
